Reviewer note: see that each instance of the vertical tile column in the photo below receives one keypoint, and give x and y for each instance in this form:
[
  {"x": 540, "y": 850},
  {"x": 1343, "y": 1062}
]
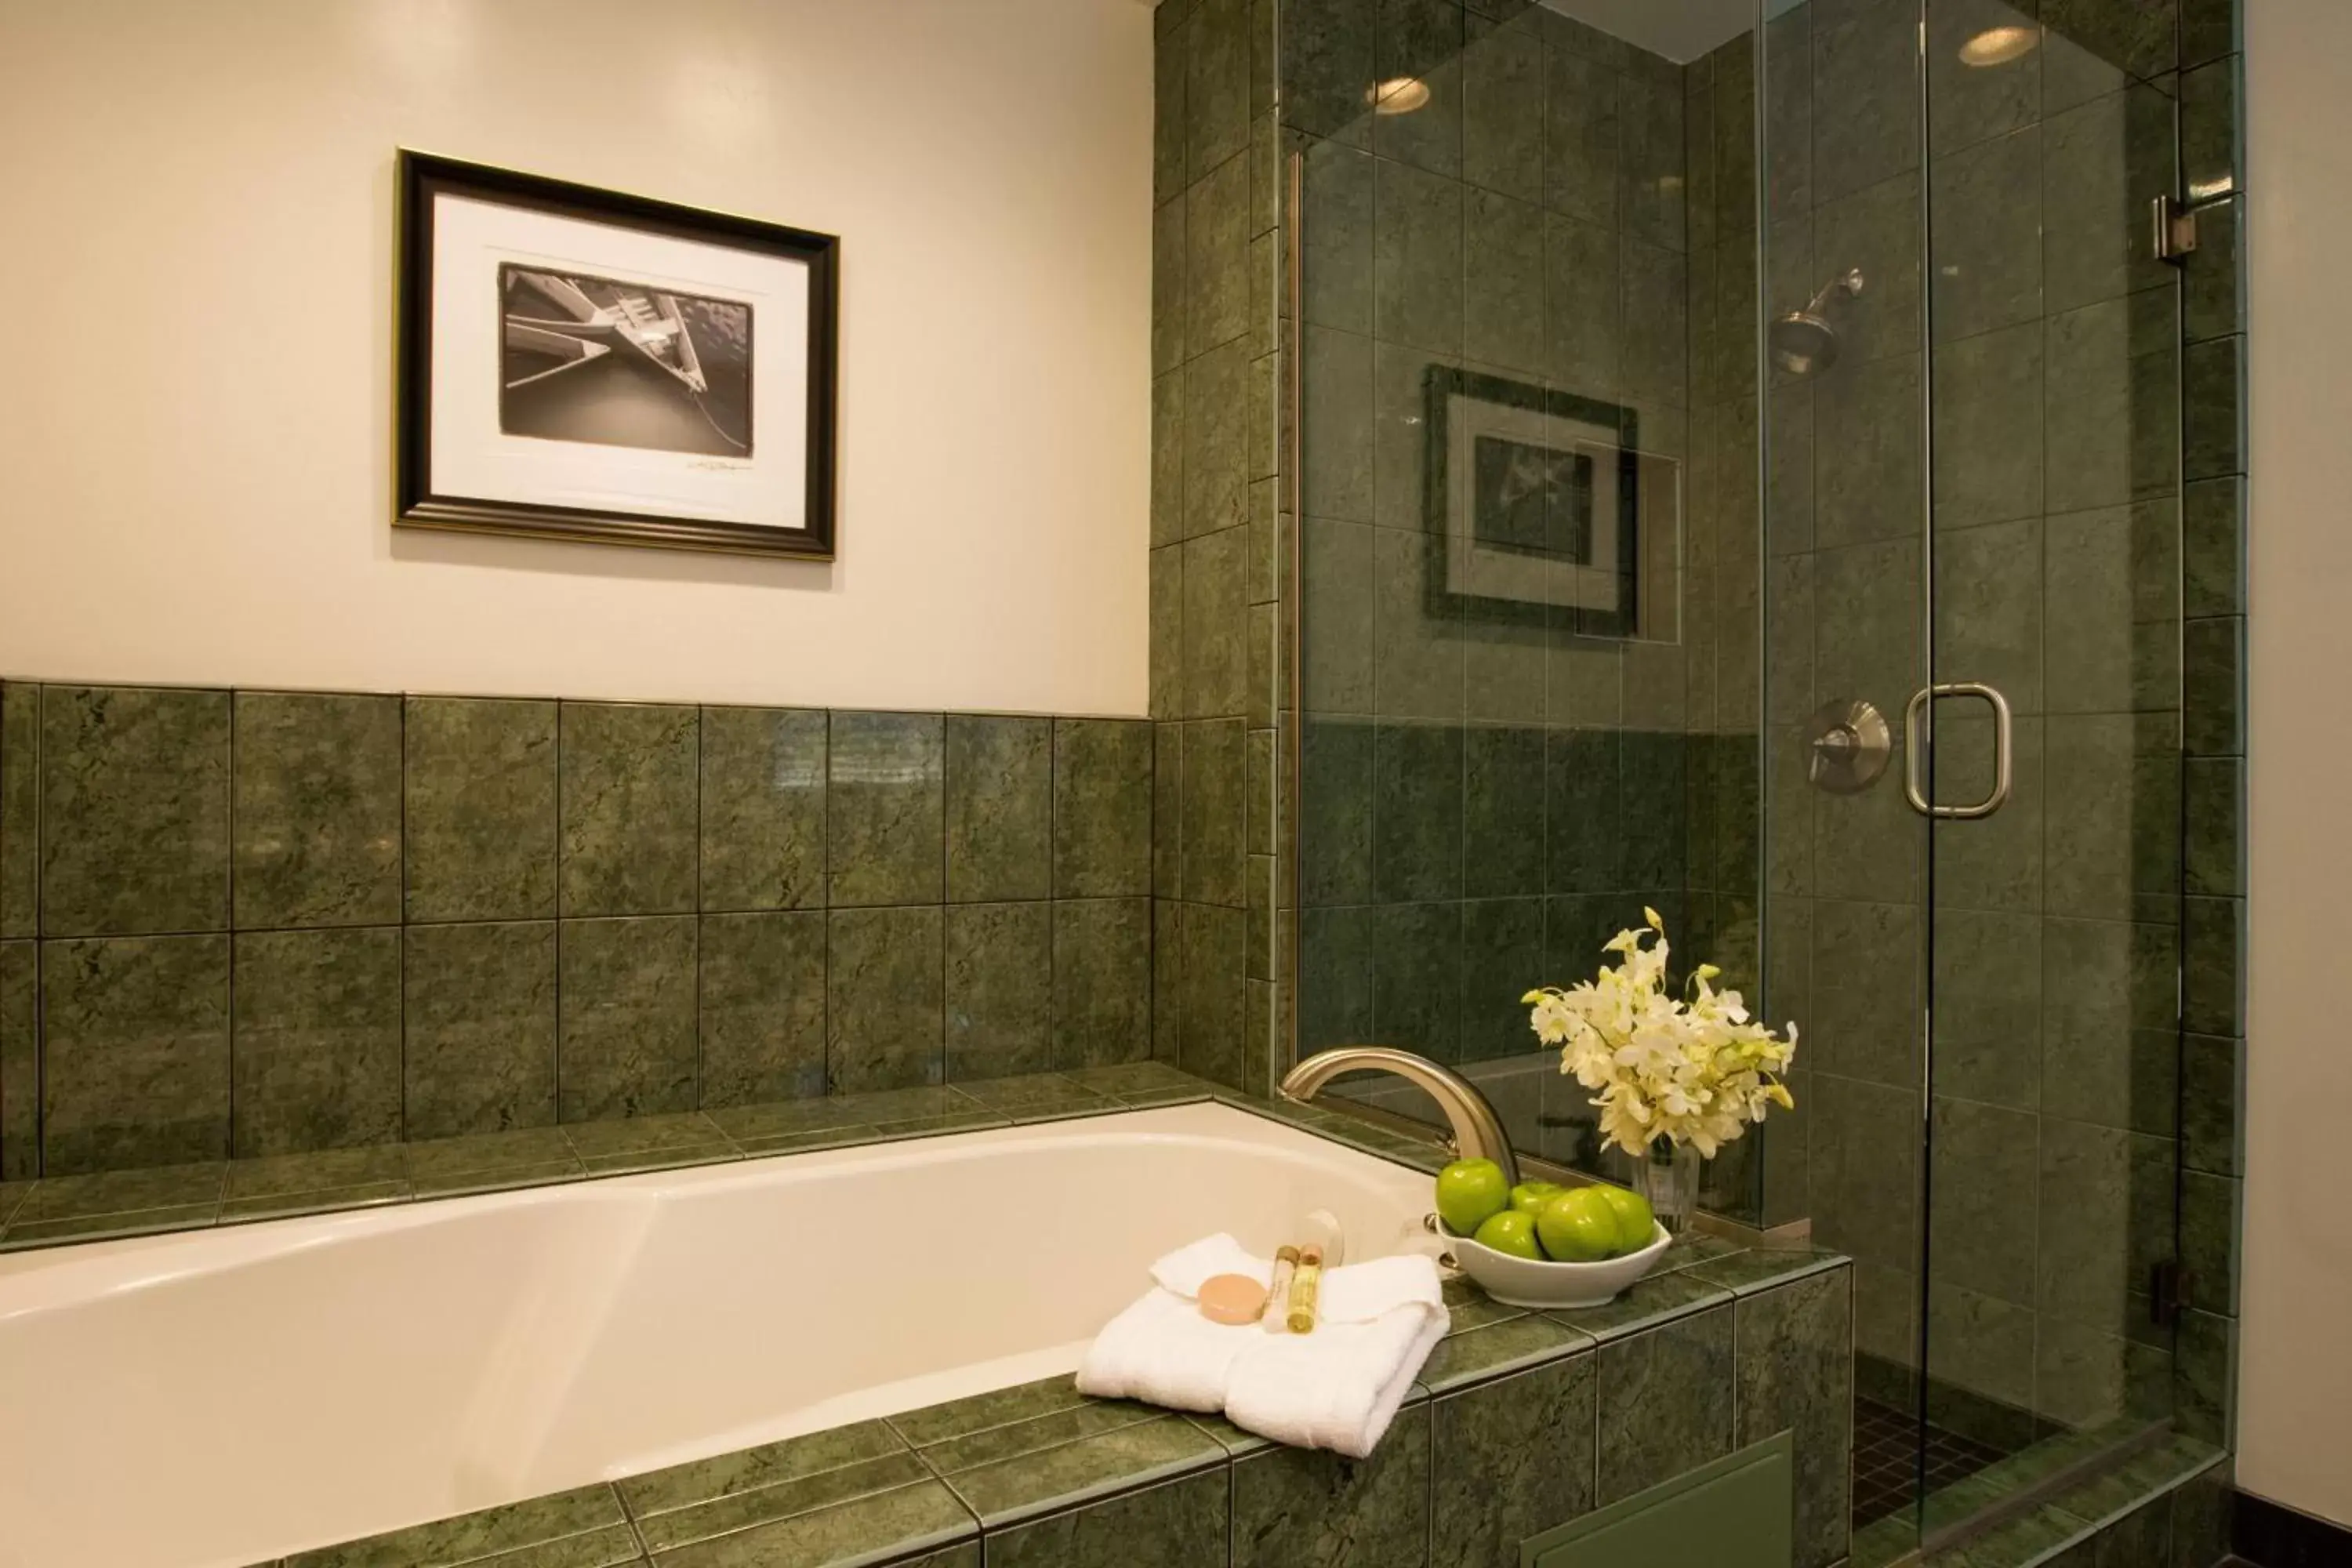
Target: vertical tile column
[
  {"x": 1215, "y": 655},
  {"x": 2214, "y": 521}
]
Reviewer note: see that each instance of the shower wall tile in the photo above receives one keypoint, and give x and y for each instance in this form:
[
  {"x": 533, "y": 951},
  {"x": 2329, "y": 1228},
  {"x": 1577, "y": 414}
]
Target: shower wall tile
[
  {"x": 134, "y": 1048},
  {"x": 628, "y": 994},
  {"x": 1101, "y": 808},
  {"x": 316, "y": 810},
  {"x": 315, "y": 1051},
  {"x": 885, "y": 807},
  {"x": 20, "y": 809},
  {"x": 134, "y": 825},
  {"x": 760, "y": 1012},
  {"x": 479, "y": 788},
  {"x": 763, "y": 792},
  {"x": 2212, "y": 128},
  {"x": 629, "y": 808},
  {"x": 999, "y": 989},
  {"x": 2213, "y": 397},
  {"x": 885, "y": 999},
  {"x": 478, "y": 1027}
]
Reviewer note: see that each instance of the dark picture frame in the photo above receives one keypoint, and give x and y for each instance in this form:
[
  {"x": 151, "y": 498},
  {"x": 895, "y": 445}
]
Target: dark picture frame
[{"x": 424, "y": 179}]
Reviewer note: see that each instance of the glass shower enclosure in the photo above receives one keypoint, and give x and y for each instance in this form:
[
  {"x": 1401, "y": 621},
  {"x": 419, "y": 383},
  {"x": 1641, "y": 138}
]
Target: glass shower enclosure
[{"x": 1736, "y": 472}]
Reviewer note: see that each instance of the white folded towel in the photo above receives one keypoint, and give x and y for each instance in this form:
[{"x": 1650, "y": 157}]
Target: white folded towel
[{"x": 1337, "y": 1387}]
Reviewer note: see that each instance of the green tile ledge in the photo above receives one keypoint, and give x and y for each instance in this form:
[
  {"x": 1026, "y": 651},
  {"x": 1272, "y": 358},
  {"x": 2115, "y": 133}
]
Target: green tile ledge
[
  {"x": 112, "y": 1206},
  {"x": 924, "y": 1485}
]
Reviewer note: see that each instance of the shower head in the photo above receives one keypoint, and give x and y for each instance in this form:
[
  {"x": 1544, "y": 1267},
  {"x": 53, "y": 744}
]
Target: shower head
[{"x": 1804, "y": 342}]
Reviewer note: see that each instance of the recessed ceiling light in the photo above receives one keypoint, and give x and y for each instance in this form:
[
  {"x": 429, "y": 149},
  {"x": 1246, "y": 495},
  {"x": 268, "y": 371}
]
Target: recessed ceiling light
[
  {"x": 1398, "y": 95},
  {"x": 1999, "y": 46}
]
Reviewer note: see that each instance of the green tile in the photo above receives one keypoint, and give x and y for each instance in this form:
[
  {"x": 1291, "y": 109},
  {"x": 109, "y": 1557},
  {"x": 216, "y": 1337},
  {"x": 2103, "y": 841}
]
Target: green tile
[
  {"x": 2027, "y": 1539},
  {"x": 1987, "y": 256},
  {"x": 20, "y": 809},
  {"x": 647, "y": 1143},
  {"x": 1511, "y": 1345},
  {"x": 628, "y": 1028},
  {"x": 702, "y": 1481},
  {"x": 479, "y": 797},
  {"x": 2215, "y": 791},
  {"x": 763, "y": 1007},
  {"x": 135, "y": 1052},
  {"x": 763, "y": 787},
  {"x": 1646, "y": 1304},
  {"x": 1217, "y": 249},
  {"x": 884, "y": 821},
  {"x": 1513, "y": 1457},
  {"x": 1306, "y": 1507},
  {"x": 1039, "y": 1096},
  {"x": 1076, "y": 1457},
  {"x": 1210, "y": 1026},
  {"x": 1102, "y": 807},
  {"x": 1101, "y": 981},
  {"x": 2109, "y": 1055},
  {"x": 867, "y": 1110},
  {"x": 27, "y": 1232},
  {"x": 105, "y": 1194},
  {"x": 320, "y": 1171},
  {"x": 2212, "y": 1089},
  {"x": 2107, "y": 1218},
  {"x": 780, "y": 1498},
  {"x": 2205, "y": 1377},
  {"x": 955, "y": 1418},
  {"x": 2209, "y": 1239},
  {"x": 315, "y": 1049},
  {"x": 1000, "y": 989},
  {"x": 20, "y": 1061},
  {"x": 2214, "y": 548},
  {"x": 478, "y": 1027},
  {"x": 2120, "y": 431},
  {"x": 1179, "y": 1524},
  {"x": 1467, "y": 1307},
  {"x": 1168, "y": 299},
  {"x": 2213, "y": 416},
  {"x": 1215, "y": 761},
  {"x": 999, "y": 795},
  {"x": 2213, "y": 986},
  {"x": 471, "y": 1537},
  {"x": 134, "y": 810},
  {"x": 12, "y": 1195},
  {"x": 1793, "y": 1371},
  {"x": 525, "y": 1156},
  {"x": 1141, "y": 1082},
  {"x": 1983, "y": 1195},
  {"x": 1216, "y": 474},
  {"x": 2211, "y": 128},
  {"x": 317, "y": 809},
  {"x": 2213, "y": 675},
  {"x": 880, "y": 1527},
  {"x": 629, "y": 805},
  {"x": 885, "y": 1014},
  {"x": 1661, "y": 1406}
]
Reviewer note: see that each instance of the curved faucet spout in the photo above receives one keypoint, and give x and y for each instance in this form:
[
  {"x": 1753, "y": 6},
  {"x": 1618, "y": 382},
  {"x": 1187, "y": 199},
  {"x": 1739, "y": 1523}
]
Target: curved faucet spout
[{"x": 1477, "y": 1132}]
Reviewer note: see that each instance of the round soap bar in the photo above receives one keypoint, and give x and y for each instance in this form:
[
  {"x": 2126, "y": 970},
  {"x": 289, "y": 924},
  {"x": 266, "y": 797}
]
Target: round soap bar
[{"x": 1232, "y": 1299}]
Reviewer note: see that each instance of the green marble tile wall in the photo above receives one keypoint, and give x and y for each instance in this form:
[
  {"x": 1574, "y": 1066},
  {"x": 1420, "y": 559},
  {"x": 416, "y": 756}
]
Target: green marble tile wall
[
  {"x": 1487, "y": 795},
  {"x": 1218, "y": 540},
  {"x": 254, "y": 923}
]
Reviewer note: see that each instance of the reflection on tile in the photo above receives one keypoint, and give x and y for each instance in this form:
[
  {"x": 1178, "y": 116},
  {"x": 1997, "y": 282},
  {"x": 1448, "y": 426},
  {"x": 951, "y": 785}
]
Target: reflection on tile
[
  {"x": 629, "y": 805},
  {"x": 317, "y": 809},
  {"x": 479, "y": 1027},
  {"x": 884, "y": 808},
  {"x": 135, "y": 810},
  {"x": 761, "y": 1010},
  {"x": 316, "y": 1051},
  {"x": 479, "y": 794},
  {"x": 762, "y": 819},
  {"x": 135, "y": 1052},
  {"x": 627, "y": 994}
]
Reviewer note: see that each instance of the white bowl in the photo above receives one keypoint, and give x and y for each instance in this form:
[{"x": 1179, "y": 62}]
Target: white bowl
[{"x": 1524, "y": 1282}]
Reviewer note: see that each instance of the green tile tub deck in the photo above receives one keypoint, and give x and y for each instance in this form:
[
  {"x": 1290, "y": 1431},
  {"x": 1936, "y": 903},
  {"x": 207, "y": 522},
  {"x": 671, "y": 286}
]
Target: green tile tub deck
[{"x": 1512, "y": 1441}]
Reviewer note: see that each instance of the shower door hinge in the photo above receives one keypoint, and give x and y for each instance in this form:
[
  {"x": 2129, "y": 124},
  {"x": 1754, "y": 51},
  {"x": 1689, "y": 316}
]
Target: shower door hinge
[
  {"x": 2166, "y": 1283},
  {"x": 2174, "y": 226}
]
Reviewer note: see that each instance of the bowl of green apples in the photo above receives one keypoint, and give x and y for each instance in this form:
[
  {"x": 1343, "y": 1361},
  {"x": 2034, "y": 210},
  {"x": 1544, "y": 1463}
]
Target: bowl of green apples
[{"x": 1543, "y": 1245}]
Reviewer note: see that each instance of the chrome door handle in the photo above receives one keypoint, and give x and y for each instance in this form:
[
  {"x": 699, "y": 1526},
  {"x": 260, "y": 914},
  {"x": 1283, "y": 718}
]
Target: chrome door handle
[{"x": 2002, "y": 725}]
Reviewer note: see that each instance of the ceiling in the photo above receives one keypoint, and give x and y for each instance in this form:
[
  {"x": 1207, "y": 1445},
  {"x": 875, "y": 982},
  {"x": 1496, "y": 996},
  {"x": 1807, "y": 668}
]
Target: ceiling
[{"x": 1681, "y": 30}]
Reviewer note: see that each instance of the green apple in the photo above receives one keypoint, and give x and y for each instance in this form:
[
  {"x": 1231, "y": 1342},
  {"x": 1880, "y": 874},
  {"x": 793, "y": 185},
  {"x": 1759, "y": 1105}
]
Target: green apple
[
  {"x": 1512, "y": 1232},
  {"x": 1634, "y": 1222},
  {"x": 1529, "y": 1196},
  {"x": 1579, "y": 1226},
  {"x": 1470, "y": 1192}
]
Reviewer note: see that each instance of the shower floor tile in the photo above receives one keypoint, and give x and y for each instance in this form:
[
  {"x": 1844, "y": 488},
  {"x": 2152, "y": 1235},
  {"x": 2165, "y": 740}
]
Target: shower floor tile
[{"x": 1887, "y": 1460}]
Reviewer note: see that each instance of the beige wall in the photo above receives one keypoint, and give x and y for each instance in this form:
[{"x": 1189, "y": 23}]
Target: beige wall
[
  {"x": 196, "y": 408},
  {"x": 2295, "y": 1359}
]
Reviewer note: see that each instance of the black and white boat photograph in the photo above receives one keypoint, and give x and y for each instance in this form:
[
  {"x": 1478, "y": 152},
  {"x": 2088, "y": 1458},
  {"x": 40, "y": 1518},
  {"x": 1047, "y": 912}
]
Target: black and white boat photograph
[{"x": 623, "y": 364}]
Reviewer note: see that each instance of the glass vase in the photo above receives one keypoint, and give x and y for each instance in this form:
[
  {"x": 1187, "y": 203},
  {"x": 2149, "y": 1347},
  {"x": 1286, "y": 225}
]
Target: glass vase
[{"x": 1668, "y": 1177}]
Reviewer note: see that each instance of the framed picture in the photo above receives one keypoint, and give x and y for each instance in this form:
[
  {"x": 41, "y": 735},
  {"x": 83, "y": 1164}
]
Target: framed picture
[
  {"x": 576, "y": 363},
  {"x": 1542, "y": 501}
]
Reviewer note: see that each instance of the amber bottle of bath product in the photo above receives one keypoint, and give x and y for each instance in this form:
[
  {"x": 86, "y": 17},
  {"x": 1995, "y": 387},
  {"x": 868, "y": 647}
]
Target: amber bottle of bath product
[
  {"x": 1277, "y": 1295},
  {"x": 1303, "y": 1287}
]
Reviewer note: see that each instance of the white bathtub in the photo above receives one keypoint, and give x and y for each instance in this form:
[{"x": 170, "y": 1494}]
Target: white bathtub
[{"x": 212, "y": 1399}]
